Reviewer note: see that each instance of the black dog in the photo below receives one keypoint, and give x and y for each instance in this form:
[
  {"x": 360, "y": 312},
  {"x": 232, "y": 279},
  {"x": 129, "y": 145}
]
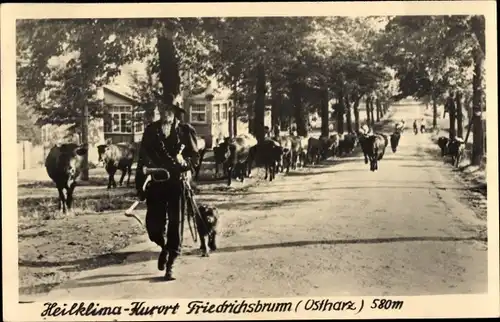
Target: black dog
[{"x": 207, "y": 228}]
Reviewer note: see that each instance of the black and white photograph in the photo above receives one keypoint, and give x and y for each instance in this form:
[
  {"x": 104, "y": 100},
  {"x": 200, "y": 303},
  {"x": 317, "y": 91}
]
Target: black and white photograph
[{"x": 333, "y": 162}]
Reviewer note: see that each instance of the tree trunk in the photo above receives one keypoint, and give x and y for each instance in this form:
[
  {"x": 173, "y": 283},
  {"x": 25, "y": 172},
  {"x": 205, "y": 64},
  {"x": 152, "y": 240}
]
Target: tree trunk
[
  {"x": 339, "y": 112},
  {"x": 368, "y": 121},
  {"x": 85, "y": 142},
  {"x": 450, "y": 103},
  {"x": 251, "y": 118},
  {"x": 477, "y": 109},
  {"x": 298, "y": 106},
  {"x": 458, "y": 108},
  {"x": 235, "y": 119},
  {"x": 169, "y": 68},
  {"x": 275, "y": 105},
  {"x": 356, "y": 113},
  {"x": 378, "y": 107},
  {"x": 434, "y": 111},
  {"x": 348, "y": 113},
  {"x": 260, "y": 103},
  {"x": 325, "y": 131},
  {"x": 371, "y": 112}
]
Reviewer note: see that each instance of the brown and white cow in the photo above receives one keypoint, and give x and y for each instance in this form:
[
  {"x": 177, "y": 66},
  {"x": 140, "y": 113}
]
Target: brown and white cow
[{"x": 117, "y": 157}]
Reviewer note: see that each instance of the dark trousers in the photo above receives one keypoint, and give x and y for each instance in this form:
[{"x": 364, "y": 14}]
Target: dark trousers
[{"x": 165, "y": 200}]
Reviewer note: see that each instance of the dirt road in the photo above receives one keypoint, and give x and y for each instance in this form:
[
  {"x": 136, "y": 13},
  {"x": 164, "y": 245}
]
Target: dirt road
[{"x": 337, "y": 229}]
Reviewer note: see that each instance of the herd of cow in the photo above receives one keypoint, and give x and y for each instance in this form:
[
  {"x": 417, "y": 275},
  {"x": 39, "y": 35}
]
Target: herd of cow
[{"x": 236, "y": 156}]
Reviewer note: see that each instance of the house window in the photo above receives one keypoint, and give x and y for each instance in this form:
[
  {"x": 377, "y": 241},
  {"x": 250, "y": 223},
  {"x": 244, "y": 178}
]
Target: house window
[
  {"x": 139, "y": 122},
  {"x": 198, "y": 113},
  {"x": 224, "y": 111},
  {"x": 216, "y": 113},
  {"x": 118, "y": 119}
]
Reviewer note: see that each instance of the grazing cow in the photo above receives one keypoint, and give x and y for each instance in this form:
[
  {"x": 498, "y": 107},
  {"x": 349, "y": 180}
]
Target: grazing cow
[
  {"x": 201, "y": 144},
  {"x": 286, "y": 143},
  {"x": 272, "y": 155},
  {"x": 395, "y": 140},
  {"x": 241, "y": 156},
  {"x": 206, "y": 225},
  {"x": 116, "y": 157},
  {"x": 443, "y": 145},
  {"x": 376, "y": 145},
  {"x": 63, "y": 164}
]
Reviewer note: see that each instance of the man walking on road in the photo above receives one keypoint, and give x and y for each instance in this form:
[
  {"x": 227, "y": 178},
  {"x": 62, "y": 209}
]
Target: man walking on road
[{"x": 161, "y": 148}]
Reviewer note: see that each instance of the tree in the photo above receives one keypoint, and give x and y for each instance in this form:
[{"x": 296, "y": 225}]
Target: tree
[{"x": 432, "y": 55}]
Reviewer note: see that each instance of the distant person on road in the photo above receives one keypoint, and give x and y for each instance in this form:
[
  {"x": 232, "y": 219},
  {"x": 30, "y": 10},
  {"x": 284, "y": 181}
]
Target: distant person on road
[
  {"x": 422, "y": 126},
  {"x": 399, "y": 126},
  {"x": 415, "y": 127}
]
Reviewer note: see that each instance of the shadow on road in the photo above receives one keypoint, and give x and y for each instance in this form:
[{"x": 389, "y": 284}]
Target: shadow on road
[{"x": 146, "y": 256}]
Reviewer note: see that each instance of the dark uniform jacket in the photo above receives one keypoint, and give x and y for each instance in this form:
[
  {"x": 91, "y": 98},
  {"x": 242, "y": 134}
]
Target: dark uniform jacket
[{"x": 157, "y": 151}]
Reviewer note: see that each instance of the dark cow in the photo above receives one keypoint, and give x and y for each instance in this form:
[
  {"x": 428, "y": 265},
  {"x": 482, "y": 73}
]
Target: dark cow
[
  {"x": 221, "y": 155},
  {"x": 286, "y": 143},
  {"x": 271, "y": 153},
  {"x": 347, "y": 144},
  {"x": 364, "y": 143},
  {"x": 453, "y": 148},
  {"x": 206, "y": 225},
  {"x": 241, "y": 155},
  {"x": 63, "y": 164},
  {"x": 314, "y": 150},
  {"x": 299, "y": 151},
  {"x": 395, "y": 141},
  {"x": 329, "y": 146},
  {"x": 201, "y": 144},
  {"x": 443, "y": 145},
  {"x": 116, "y": 157},
  {"x": 376, "y": 145}
]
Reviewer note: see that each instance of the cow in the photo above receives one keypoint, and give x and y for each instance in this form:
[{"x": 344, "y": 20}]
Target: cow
[
  {"x": 395, "y": 140},
  {"x": 286, "y": 143},
  {"x": 63, "y": 165},
  {"x": 452, "y": 147},
  {"x": 364, "y": 133},
  {"x": 201, "y": 144},
  {"x": 314, "y": 150},
  {"x": 443, "y": 145},
  {"x": 241, "y": 156},
  {"x": 116, "y": 157},
  {"x": 299, "y": 151},
  {"x": 221, "y": 155},
  {"x": 206, "y": 224},
  {"x": 376, "y": 145},
  {"x": 271, "y": 153},
  {"x": 347, "y": 144}
]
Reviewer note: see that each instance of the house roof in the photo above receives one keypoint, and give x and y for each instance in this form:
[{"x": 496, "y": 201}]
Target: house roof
[{"x": 120, "y": 92}]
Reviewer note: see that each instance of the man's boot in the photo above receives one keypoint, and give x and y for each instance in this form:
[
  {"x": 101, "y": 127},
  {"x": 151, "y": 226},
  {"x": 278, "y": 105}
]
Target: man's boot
[
  {"x": 162, "y": 259},
  {"x": 170, "y": 264}
]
